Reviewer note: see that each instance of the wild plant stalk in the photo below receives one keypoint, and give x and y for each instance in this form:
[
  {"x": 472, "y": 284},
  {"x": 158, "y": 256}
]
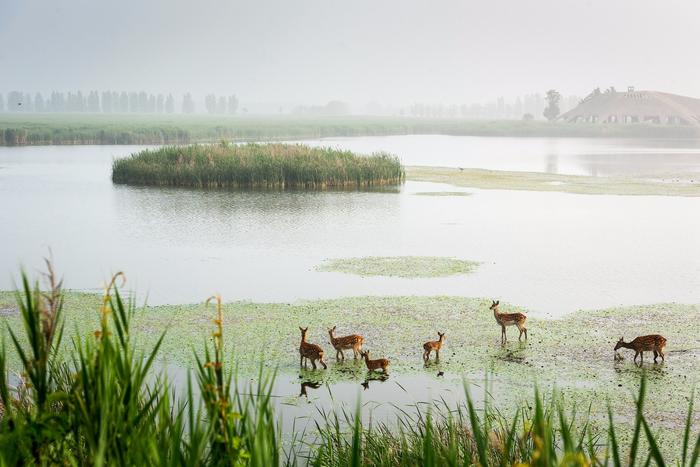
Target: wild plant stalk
[{"x": 269, "y": 166}]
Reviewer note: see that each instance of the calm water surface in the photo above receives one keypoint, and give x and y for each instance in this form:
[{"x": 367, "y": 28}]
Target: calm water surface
[
  {"x": 572, "y": 156},
  {"x": 551, "y": 252}
]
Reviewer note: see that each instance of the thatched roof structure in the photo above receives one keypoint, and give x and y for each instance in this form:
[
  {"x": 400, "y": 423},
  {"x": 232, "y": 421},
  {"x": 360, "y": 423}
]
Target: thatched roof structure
[{"x": 611, "y": 106}]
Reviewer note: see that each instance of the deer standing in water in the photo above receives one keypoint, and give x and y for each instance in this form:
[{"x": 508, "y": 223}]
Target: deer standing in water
[
  {"x": 433, "y": 345},
  {"x": 653, "y": 342},
  {"x": 308, "y": 351},
  {"x": 509, "y": 319},
  {"x": 378, "y": 364},
  {"x": 352, "y": 341}
]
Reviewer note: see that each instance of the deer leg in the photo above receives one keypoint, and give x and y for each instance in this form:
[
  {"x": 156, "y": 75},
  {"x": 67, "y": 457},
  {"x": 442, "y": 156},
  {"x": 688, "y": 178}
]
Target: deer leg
[
  {"x": 313, "y": 362},
  {"x": 301, "y": 360},
  {"x": 656, "y": 354},
  {"x": 525, "y": 329},
  {"x": 504, "y": 338},
  {"x": 661, "y": 352},
  {"x": 342, "y": 355},
  {"x": 636, "y": 354},
  {"x": 437, "y": 355},
  {"x": 325, "y": 367}
]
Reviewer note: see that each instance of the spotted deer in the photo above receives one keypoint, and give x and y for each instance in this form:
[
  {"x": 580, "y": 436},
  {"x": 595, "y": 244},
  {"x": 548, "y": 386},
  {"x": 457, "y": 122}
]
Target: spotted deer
[
  {"x": 509, "y": 319},
  {"x": 309, "y": 351},
  {"x": 653, "y": 342},
  {"x": 352, "y": 342},
  {"x": 373, "y": 365},
  {"x": 433, "y": 346}
]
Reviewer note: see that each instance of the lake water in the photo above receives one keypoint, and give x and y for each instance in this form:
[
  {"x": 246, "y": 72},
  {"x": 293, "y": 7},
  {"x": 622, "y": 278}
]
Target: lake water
[{"x": 550, "y": 252}]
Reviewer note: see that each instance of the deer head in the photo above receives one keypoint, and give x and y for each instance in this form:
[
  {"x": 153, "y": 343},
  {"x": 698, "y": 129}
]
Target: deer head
[
  {"x": 494, "y": 304},
  {"x": 620, "y": 343}
]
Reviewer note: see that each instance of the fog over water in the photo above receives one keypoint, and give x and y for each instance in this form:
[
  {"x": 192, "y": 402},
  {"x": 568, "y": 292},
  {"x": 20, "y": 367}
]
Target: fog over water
[{"x": 392, "y": 52}]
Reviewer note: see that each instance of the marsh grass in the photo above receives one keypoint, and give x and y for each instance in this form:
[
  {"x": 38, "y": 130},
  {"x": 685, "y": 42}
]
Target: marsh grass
[
  {"x": 272, "y": 166},
  {"x": 28, "y": 129},
  {"x": 103, "y": 403}
]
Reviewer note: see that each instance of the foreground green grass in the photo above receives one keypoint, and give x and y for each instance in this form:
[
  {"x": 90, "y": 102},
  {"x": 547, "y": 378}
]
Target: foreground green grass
[
  {"x": 399, "y": 266},
  {"x": 536, "y": 181},
  {"x": 276, "y": 166},
  {"x": 95, "y": 401},
  {"x": 20, "y": 129}
]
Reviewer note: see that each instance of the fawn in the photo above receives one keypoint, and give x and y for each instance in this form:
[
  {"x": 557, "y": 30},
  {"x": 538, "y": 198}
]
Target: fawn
[
  {"x": 308, "y": 351},
  {"x": 641, "y": 344},
  {"x": 352, "y": 341},
  {"x": 433, "y": 345},
  {"x": 509, "y": 319},
  {"x": 372, "y": 365}
]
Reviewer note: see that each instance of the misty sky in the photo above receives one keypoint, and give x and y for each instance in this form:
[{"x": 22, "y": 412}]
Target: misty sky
[{"x": 312, "y": 51}]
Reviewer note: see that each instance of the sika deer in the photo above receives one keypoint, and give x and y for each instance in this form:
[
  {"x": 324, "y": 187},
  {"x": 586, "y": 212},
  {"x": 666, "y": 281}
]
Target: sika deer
[
  {"x": 352, "y": 341},
  {"x": 372, "y": 365},
  {"x": 433, "y": 345},
  {"x": 308, "y": 351},
  {"x": 641, "y": 344},
  {"x": 509, "y": 319}
]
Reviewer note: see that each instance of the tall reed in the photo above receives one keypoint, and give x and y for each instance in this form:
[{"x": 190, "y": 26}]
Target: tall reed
[{"x": 276, "y": 166}]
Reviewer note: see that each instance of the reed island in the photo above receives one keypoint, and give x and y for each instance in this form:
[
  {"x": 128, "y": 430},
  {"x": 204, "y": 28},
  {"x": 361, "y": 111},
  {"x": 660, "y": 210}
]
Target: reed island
[{"x": 271, "y": 166}]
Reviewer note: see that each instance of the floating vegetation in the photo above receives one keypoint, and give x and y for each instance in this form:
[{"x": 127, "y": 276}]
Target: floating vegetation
[
  {"x": 399, "y": 266},
  {"x": 268, "y": 166}
]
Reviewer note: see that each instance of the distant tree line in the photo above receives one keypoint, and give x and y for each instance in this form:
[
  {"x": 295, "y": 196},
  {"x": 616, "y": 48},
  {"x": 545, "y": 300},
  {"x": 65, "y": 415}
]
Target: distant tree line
[{"x": 113, "y": 102}]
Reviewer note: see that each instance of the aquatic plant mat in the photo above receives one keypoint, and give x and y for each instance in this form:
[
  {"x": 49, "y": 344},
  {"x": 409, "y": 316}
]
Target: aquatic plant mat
[
  {"x": 536, "y": 181},
  {"x": 269, "y": 166},
  {"x": 399, "y": 266},
  {"x": 573, "y": 354}
]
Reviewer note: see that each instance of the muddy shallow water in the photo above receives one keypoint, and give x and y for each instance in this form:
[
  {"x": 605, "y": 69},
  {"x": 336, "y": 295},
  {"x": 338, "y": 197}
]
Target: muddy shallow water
[{"x": 553, "y": 253}]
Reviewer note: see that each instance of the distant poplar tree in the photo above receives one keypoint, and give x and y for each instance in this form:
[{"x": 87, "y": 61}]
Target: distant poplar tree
[
  {"x": 160, "y": 103},
  {"x": 232, "y": 104},
  {"x": 39, "y": 105},
  {"x": 551, "y": 111},
  {"x": 133, "y": 102},
  {"x": 107, "y": 101},
  {"x": 210, "y": 103},
  {"x": 14, "y": 101},
  {"x": 93, "y": 102},
  {"x": 27, "y": 104},
  {"x": 221, "y": 105},
  {"x": 123, "y": 102},
  {"x": 2, "y": 103},
  {"x": 151, "y": 103},
  {"x": 170, "y": 104},
  {"x": 187, "y": 104},
  {"x": 143, "y": 102}
]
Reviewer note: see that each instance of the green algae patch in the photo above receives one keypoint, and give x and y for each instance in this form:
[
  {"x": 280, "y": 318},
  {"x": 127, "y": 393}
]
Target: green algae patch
[
  {"x": 536, "y": 181},
  {"x": 399, "y": 266},
  {"x": 442, "y": 193}
]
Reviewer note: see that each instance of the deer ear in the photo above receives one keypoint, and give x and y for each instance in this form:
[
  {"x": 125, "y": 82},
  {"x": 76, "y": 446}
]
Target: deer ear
[{"x": 498, "y": 302}]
